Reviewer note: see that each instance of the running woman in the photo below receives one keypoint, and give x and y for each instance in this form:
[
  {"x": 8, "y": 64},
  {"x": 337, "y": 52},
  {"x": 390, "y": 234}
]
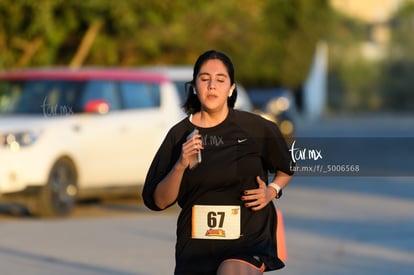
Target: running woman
[{"x": 215, "y": 164}]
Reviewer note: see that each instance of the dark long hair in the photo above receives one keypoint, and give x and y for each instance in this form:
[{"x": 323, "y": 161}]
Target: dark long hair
[{"x": 192, "y": 103}]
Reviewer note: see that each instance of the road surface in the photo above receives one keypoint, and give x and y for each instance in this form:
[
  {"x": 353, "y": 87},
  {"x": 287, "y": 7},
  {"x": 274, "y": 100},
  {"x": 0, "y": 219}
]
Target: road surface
[{"x": 333, "y": 224}]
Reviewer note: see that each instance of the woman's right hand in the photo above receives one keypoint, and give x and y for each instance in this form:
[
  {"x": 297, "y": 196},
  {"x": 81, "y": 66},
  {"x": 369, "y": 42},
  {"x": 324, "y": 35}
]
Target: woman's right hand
[
  {"x": 190, "y": 148},
  {"x": 167, "y": 190}
]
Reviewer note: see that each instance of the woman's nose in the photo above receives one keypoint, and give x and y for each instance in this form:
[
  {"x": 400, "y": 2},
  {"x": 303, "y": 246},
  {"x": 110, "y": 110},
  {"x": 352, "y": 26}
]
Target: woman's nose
[{"x": 211, "y": 84}]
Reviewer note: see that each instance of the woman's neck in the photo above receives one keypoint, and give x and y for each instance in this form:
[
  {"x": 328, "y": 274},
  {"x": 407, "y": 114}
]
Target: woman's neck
[{"x": 207, "y": 119}]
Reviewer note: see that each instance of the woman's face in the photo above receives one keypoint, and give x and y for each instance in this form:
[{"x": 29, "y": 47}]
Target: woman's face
[{"x": 213, "y": 85}]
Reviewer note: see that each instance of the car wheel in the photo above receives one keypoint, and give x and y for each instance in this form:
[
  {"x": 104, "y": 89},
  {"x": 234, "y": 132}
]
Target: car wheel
[{"x": 58, "y": 196}]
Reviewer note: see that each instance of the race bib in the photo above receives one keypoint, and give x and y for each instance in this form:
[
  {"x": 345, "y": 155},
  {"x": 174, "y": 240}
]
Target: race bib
[{"x": 216, "y": 222}]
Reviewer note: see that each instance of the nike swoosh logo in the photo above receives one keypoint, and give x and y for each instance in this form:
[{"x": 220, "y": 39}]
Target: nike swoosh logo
[{"x": 241, "y": 140}]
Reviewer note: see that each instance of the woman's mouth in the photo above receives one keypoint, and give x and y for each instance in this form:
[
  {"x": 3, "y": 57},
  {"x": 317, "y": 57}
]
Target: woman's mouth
[{"x": 212, "y": 96}]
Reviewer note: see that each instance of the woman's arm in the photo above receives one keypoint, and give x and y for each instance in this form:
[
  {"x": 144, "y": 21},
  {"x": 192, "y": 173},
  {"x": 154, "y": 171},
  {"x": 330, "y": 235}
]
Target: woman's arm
[
  {"x": 282, "y": 180},
  {"x": 166, "y": 192}
]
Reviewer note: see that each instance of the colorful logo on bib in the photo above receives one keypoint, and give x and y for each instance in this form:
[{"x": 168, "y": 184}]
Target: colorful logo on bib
[
  {"x": 216, "y": 233},
  {"x": 235, "y": 211}
]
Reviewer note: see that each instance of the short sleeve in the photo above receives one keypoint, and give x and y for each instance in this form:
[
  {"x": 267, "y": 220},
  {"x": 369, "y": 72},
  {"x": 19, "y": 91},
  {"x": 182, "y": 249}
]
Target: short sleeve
[
  {"x": 272, "y": 145},
  {"x": 164, "y": 160},
  {"x": 275, "y": 153}
]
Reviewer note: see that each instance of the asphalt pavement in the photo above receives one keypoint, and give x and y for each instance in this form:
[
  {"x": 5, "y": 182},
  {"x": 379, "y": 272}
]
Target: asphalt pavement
[{"x": 333, "y": 224}]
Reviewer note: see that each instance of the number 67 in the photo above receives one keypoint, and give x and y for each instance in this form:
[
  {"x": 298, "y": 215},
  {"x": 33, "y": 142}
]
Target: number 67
[{"x": 212, "y": 219}]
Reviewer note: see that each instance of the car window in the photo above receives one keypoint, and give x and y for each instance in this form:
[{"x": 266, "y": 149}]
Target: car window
[
  {"x": 9, "y": 94},
  {"x": 106, "y": 90},
  {"x": 52, "y": 98},
  {"x": 140, "y": 95}
]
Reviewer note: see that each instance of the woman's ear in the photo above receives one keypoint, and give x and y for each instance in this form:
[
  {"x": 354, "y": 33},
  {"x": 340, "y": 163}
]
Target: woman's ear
[{"x": 232, "y": 89}]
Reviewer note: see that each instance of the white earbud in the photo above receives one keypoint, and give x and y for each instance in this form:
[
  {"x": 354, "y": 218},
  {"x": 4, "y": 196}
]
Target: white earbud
[{"x": 194, "y": 90}]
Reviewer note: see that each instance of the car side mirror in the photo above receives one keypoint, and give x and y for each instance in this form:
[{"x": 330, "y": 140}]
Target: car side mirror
[{"x": 97, "y": 106}]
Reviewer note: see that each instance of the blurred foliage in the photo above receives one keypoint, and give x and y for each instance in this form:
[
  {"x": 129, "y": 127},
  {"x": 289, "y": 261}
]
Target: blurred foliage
[
  {"x": 353, "y": 80},
  {"x": 271, "y": 42},
  {"x": 366, "y": 85},
  {"x": 397, "y": 81}
]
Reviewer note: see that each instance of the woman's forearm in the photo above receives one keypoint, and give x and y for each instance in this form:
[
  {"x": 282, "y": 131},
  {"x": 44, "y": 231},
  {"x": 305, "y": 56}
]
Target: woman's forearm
[{"x": 167, "y": 190}]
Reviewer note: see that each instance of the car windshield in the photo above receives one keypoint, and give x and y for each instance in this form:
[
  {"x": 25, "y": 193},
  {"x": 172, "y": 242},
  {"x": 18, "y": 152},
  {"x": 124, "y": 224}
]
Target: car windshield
[{"x": 39, "y": 96}]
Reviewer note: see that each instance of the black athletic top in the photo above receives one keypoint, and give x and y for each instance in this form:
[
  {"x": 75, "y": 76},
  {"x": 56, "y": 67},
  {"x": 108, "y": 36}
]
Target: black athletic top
[{"x": 237, "y": 150}]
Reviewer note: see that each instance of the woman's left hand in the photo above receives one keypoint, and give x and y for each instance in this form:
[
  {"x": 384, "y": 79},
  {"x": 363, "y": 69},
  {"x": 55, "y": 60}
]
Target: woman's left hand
[{"x": 258, "y": 198}]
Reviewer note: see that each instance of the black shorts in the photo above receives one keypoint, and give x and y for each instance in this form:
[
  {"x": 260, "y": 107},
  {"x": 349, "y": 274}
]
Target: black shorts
[{"x": 253, "y": 261}]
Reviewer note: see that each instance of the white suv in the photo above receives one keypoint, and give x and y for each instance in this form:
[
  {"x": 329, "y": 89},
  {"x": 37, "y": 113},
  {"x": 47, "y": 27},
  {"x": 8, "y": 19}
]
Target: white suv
[{"x": 68, "y": 135}]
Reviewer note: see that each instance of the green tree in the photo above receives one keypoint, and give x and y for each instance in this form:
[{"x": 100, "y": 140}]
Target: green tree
[
  {"x": 270, "y": 41},
  {"x": 296, "y": 27}
]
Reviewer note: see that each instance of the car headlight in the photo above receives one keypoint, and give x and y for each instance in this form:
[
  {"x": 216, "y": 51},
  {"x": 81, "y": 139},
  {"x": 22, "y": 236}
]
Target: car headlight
[{"x": 15, "y": 141}]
